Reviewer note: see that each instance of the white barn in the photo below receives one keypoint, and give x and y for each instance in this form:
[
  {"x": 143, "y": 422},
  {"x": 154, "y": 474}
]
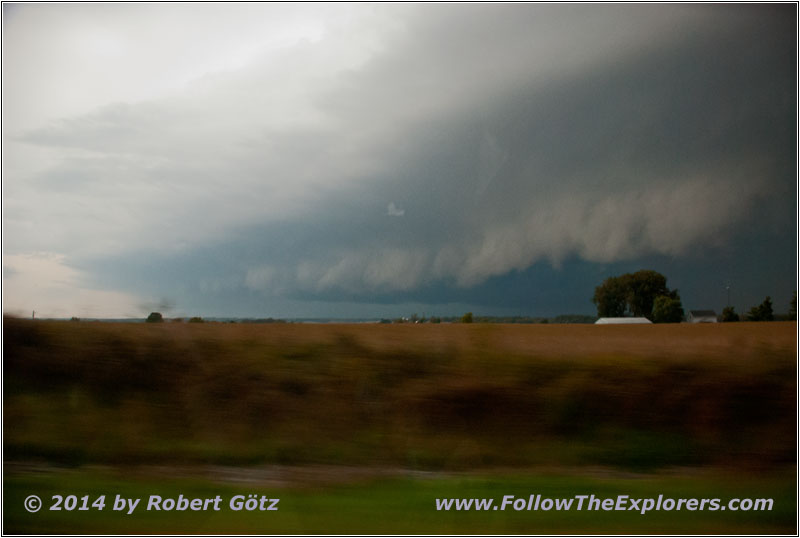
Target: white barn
[
  {"x": 622, "y": 321},
  {"x": 701, "y": 316}
]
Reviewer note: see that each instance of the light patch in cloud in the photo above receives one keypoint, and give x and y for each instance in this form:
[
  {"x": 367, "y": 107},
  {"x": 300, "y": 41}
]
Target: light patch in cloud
[
  {"x": 268, "y": 279},
  {"x": 72, "y": 57},
  {"x": 42, "y": 282},
  {"x": 393, "y": 210}
]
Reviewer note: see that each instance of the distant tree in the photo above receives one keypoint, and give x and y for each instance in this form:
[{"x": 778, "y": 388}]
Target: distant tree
[
  {"x": 611, "y": 297},
  {"x": 155, "y": 317},
  {"x": 793, "y": 306},
  {"x": 73, "y": 318},
  {"x": 631, "y": 294},
  {"x": 766, "y": 309},
  {"x": 729, "y": 314},
  {"x": 667, "y": 310},
  {"x": 434, "y": 319},
  {"x": 645, "y": 287},
  {"x": 466, "y": 318},
  {"x": 762, "y": 312},
  {"x": 196, "y": 319}
]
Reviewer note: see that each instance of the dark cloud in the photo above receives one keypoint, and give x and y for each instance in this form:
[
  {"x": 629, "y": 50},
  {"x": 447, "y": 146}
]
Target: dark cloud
[{"x": 529, "y": 149}]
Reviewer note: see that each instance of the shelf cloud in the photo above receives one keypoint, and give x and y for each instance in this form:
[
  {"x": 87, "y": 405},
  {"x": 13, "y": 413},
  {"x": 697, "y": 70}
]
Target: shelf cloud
[{"x": 153, "y": 155}]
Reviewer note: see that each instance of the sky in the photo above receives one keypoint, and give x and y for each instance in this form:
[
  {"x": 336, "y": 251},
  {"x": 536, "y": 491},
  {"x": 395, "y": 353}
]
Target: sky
[{"x": 378, "y": 160}]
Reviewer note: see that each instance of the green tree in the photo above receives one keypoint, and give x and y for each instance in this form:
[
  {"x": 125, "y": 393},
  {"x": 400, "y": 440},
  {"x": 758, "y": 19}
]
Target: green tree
[
  {"x": 611, "y": 297},
  {"x": 762, "y": 312},
  {"x": 632, "y": 294},
  {"x": 466, "y": 318},
  {"x": 155, "y": 317},
  {"x": 667, "y": 310},
  {"x": 729, "y": 314},
  {"x": 644, "y": 287}
]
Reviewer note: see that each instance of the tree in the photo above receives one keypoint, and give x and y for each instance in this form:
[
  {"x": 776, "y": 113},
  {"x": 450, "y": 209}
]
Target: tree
[
  {"x": 155, "y": 317},
  {"x": 667, "y": 310},
  {"x": 729, "y": 314},
  {"x": 632, "y": 294},
  {"x": 611, "y": 297},
  {"x": 793, "y": 306},
  {"x": 762, "y": 312},
  {"x": 466, "y": 318},
  {"x": 644, "y": 287}
]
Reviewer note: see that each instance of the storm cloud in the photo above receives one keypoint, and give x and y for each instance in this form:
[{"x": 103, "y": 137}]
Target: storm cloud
[{"x": 390, "y": 153}]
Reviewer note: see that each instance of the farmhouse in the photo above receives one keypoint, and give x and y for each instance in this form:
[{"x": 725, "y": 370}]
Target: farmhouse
[
  {"x": 622, "y": 321},
  {"x": 701, "y": 316}
]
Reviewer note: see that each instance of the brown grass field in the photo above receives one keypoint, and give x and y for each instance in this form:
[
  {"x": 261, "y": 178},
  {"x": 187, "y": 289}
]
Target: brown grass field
[
  {"x": 378, "y": 421},
  {"x": 421, "y": 396}
]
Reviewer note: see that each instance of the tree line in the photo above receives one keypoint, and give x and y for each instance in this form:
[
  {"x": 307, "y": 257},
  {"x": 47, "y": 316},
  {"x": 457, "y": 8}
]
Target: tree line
[{"x": 645, "y": 294}]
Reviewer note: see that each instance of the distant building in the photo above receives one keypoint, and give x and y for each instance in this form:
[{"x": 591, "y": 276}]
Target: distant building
[
  {"x": 622, "y": 321},
  {"x": 701, "y": 316}
]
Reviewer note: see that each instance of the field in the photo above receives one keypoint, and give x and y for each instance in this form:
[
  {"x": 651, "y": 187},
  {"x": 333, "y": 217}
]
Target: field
[{"x": 386, "y": 418}]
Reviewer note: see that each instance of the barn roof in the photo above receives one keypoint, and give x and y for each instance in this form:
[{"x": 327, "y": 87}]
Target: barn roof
[{"x": 622, "y": 321}]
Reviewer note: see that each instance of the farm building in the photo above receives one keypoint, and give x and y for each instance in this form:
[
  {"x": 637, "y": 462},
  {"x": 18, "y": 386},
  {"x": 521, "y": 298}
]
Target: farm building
[
  {"x": 701, "y": 316},
  {"x": 622, "y": 321}
]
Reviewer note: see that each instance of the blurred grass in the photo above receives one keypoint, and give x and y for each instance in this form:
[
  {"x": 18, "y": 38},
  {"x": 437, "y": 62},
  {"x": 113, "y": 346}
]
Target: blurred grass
[
  {"x": 414, "y": 396},
  {"x": 717, "y": 400},
  {"x": 403, "y": 505}
]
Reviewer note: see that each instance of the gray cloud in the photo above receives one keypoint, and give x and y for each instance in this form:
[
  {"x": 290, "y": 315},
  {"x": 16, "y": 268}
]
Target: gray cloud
[
  {"x": 519, "y": 134},
  {"x": 393, "y": 211}
]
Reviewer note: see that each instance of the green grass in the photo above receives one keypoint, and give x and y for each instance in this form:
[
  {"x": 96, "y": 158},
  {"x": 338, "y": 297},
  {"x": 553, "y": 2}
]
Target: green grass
[{"x": 403, "y": 505}]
